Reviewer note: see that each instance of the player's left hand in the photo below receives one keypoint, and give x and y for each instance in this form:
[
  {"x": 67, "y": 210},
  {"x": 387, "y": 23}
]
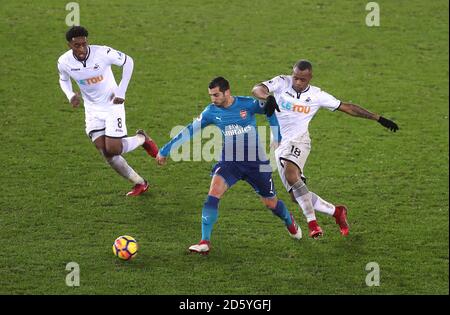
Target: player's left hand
[
  {"x": 388, "y": 124},
  {"x": 271, "y": 106},
  {"x": 118, "y": 100},
  {"x": 161, "y": 160}
]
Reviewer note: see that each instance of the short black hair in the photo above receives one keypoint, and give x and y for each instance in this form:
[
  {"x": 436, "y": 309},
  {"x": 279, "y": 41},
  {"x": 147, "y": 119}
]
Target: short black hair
[
  {"x": 303, "y": 64},
  {"x": 76, "y": 31},
  {"x": 220, "y": 82}
]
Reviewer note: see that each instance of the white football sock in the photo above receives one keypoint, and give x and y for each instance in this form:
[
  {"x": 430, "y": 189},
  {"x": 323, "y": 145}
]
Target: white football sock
[
  {"x": 131, "y": 143},
  {"x": 120, "y": 165},
  {"x": 304, "y": 199},
  {"x": 321, "y": 205}
]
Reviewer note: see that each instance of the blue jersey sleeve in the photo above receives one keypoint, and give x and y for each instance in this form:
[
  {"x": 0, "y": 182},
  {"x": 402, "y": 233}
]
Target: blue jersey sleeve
[
  {"x": 257, "y": 106},
  {"x": 186, "y": 133},
  {"x": 274, "y": 128}
]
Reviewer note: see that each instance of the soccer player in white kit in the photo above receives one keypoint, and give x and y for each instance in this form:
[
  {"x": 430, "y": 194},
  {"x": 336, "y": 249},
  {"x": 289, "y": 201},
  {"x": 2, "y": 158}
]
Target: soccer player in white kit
[
  {"x": 298, "y": 102},
  {"x": 90, "y": 67}
]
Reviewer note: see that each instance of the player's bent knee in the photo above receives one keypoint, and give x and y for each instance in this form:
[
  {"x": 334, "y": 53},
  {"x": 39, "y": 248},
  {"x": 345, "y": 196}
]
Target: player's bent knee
[
  {"x": 292, "y": 176},
  {"x": 113, "y": 150},
  {"x": 107, "y": 156},
  {"x": 216, "y": 191},
  {"x": 113, "y": 146},
  {"x": 218, "y": 187},
  {"x": 292, "y": 179},
  {"x": 100, "y": 147},
  {"x": 100, "y": 144},
  {"x": 270, "y": 203}
]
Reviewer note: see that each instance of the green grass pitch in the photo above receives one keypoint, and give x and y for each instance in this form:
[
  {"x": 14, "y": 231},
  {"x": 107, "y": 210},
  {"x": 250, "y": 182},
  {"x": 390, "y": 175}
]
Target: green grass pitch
[{"x": 61, "y": 203}]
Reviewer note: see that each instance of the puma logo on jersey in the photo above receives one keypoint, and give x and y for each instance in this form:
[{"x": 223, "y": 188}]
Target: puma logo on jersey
[
  {"x": 91, "y": 81},
  {"x": 296, "y": 108}
]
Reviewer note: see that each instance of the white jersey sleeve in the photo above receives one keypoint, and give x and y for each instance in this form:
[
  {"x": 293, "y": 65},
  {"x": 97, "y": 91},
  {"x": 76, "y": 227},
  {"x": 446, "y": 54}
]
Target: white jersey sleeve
[
  {"x": 126, "y": 77},
  {"x": 63, "y": 75},
  {"x": 64, "y": 82},
  {"x": 276, "y": 84},
  {"x": 328, "y": 101},
  {"x": 114, "y": 57}
]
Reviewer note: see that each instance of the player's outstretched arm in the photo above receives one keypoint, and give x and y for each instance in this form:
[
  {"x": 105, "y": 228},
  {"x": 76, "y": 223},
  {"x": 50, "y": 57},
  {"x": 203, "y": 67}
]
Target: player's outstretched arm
[
  {"x": 358, "y": 111},
  {"x": 184, "y": 135}
]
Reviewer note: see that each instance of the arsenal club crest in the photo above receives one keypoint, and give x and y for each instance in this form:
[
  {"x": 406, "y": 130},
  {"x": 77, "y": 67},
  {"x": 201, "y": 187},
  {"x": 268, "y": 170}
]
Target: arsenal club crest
[{"x": 243, "y": 114}]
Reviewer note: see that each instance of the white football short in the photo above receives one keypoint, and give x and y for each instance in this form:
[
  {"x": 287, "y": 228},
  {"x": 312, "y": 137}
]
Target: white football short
[
  {"x": 109, "y": 122},
  {"x": 295, "y": 151}
]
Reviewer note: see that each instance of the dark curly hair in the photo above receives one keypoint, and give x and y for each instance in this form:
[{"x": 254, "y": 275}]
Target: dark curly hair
[
  {"x": 303, "y": 65},
  {"x": 76, "y": 31},
  {"x": 220, "y": 82}
]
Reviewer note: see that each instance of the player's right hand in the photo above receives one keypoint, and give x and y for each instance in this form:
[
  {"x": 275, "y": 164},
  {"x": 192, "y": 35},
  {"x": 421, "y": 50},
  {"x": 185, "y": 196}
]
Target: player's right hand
[
  {"x": 161, "y": 160},
  {"x": 271, "y": 106},
  {"x": 392, "y": 126},
  {"x": 75, "y": 100}
]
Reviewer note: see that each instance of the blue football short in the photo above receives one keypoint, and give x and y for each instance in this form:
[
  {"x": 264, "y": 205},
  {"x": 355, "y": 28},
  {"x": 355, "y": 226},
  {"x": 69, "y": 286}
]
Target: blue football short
[{"x": 254, "y": 173}]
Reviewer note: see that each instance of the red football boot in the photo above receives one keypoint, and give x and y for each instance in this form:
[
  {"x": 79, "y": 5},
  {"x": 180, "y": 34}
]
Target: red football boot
[
  {"x": 294, "y": 230},
  {"x": 314, "y": 229},
  {"x": 149, "y": 145},
  {"x": 340, "y": 214},
  {"x": 139, "y": 189}
]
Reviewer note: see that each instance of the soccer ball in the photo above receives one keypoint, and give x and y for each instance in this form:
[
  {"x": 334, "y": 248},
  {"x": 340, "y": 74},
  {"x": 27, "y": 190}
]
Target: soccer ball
[{"x": 125, "y": 247}]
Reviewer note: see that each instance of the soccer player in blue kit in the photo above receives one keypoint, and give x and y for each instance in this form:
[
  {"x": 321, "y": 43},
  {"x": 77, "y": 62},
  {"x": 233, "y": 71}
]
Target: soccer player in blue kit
[{"x": 242, "y": 156}]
